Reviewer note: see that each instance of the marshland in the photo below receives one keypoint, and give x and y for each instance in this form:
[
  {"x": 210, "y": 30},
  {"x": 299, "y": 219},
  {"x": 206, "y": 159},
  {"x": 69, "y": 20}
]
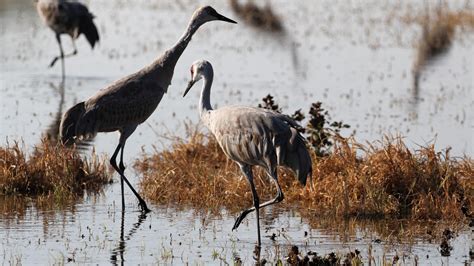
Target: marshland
[{"x": 382, "y": 89}]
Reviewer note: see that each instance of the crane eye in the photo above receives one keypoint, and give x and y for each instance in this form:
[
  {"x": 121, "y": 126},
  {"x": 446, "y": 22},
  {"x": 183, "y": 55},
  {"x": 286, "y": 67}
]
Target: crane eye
[{"x": 192, "y": 71}]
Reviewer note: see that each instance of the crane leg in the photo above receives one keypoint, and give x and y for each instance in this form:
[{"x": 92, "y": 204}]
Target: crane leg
[
  {"x": 113, "y": 162},
  {"x": 279, "y": 197},
  {"x": 74, "y": 52},
  {"x": 61, "y": 52},
  {"x": 122, "y": 169},
  {"x": 62, "y": 55},
  {"x": 247, "y": 170},
  {"x": 123, "y": 178}
]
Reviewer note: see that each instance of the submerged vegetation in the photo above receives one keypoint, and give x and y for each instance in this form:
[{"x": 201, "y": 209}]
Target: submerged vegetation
[
  {"x": 51, "y": 170},
  {"x": 379, "y": 179},
  {"x": 295, "y": 257}
]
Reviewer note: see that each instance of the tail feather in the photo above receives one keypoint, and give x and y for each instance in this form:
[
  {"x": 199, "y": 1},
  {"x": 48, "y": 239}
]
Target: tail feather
[
  {"x": 297, "y": 157},
  {"x": 88, "y": 28},
  {"x": 67, "y": 128},
  {"x": 87, "y": 126}
]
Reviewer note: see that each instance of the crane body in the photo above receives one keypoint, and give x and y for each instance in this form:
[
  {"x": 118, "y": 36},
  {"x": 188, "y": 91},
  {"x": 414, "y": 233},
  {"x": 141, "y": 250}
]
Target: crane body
[
  {"x": 253, "y": 137},
  {"x": 129, "y": 101}
]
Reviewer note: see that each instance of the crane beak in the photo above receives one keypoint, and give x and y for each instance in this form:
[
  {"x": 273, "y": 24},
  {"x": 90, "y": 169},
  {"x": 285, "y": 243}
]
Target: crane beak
[
  {"x": 190, "y": 84},
  {"x": 223, "y": 18}
]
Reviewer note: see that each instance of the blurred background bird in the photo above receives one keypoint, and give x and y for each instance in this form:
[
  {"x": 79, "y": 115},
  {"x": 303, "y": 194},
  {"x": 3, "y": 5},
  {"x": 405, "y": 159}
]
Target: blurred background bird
[{"x": 72, "y": 18}]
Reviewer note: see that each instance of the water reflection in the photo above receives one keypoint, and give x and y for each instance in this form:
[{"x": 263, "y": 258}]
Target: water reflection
[
  {"x": 18, "y": 210},
  {"x": 119, "y": 250},
  {"x": 86, "y": 234},
  {"x": 52, "y": 130}
]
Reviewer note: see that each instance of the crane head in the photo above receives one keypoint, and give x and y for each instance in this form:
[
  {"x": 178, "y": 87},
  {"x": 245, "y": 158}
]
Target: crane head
[
  {"x": 199, "y": 69},
  {"x": 207, "y": 13}
]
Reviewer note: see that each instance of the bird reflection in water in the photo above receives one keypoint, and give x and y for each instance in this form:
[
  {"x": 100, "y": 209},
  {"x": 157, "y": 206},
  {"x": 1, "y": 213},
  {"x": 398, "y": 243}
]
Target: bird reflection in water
[{"x": 119, "y": 250}]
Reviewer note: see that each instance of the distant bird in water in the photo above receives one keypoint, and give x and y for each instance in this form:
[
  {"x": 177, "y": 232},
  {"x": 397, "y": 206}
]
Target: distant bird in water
[
  {"x": 261, "y": 18},
  {"x": 128, "y": 102},
  {"x": 72, "y": 18},
  {"x": 252, "y": 136},
  {"x": 436, "y": 39}
]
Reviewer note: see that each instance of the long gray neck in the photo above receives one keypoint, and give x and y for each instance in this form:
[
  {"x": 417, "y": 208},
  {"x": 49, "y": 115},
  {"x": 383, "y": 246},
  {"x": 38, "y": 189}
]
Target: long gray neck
[
  {"x": 177, "y": 50},
  {"x": 205, "y": 101},
  {"x": 162, "y": 69}
]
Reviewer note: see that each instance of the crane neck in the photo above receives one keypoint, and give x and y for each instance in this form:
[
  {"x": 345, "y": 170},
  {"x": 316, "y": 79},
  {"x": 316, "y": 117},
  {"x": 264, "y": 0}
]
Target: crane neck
[
  {"x": 205, "y": 100},
  {"x": 177, "y": 50},
  {"x": 162, "y": 69}
]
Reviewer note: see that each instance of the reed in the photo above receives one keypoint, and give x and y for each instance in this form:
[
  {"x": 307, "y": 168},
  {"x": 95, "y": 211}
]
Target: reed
[{"x": 50, "y": 171}]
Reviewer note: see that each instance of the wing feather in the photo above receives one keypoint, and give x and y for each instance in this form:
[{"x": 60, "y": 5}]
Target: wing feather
[
  {"x": 248, "y": 134},
  {"x": 257, "y": 136},
  {"x": 129, "y": 101}
]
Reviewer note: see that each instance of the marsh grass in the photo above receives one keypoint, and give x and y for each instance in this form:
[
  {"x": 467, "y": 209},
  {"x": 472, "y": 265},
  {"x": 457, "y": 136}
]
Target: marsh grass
[
  {"x": 51, "y": 171},
  {"x": 375, "y": 180}
]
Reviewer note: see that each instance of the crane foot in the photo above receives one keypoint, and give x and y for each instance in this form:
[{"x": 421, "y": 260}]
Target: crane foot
[
  {"x": 240, "y": 218},
  {"x": 53, "y": 62},
  {"x": 143, "y": 206},
  {"x": 256, "y": 254}
]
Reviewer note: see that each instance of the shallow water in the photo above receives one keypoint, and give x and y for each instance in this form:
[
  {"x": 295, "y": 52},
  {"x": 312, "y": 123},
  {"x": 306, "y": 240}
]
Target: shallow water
[
  {"x": 342, "y": 53},
  {"x": 95, "y": 231}
]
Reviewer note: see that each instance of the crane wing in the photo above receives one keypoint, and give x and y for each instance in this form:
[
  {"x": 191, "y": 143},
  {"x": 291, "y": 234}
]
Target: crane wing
[
  {"x": 256, "y": 136},
  {"x": 248, "y": 134},
  {"x": 128, "y": 102}
]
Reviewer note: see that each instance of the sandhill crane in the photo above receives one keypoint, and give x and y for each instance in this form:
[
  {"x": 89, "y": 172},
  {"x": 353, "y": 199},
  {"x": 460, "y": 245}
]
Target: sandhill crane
[
  {"x": 128, "y": 102},
  {"x": 252, "y": 136},
  {"x": 72, "y": 18}
]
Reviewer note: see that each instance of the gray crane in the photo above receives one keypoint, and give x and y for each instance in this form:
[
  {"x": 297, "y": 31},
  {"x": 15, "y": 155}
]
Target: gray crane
[
  {"x": 72, "y": 18},
  {"x": 129, "y": 101},
  {"x": 252, "y": 136}
]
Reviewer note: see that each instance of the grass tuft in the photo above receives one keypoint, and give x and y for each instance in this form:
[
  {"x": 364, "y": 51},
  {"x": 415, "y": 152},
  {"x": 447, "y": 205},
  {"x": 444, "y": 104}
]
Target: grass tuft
[
  {"x": 382, "y": 179},
  {"x": 51, "y": 170}
]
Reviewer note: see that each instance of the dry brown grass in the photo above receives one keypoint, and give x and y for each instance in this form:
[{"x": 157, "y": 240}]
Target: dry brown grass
[
  {"x": 51, "y": 171},
  {"x": 383, "y": 179}
]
